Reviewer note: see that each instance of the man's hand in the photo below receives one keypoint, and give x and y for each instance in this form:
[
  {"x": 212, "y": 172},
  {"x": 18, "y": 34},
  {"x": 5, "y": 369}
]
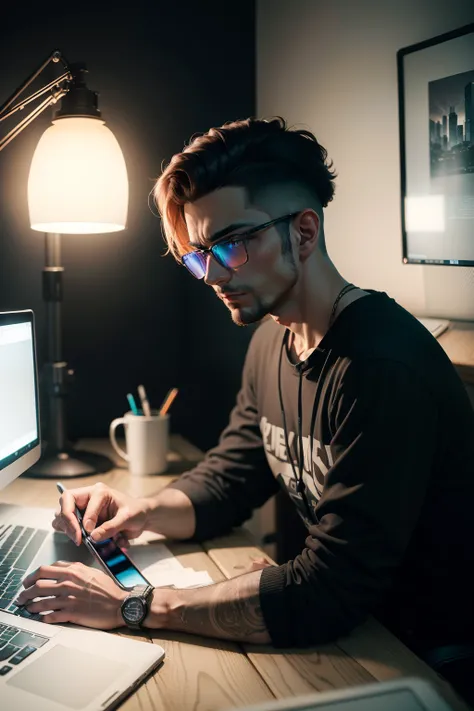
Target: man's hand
[
  {"x": 107, "y": 513},
  {"x": 73, "y": 592}
]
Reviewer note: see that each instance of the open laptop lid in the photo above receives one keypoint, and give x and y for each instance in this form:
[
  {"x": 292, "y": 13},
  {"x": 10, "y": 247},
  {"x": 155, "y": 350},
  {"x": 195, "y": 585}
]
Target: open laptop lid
[{"x": 20, "y": 438}]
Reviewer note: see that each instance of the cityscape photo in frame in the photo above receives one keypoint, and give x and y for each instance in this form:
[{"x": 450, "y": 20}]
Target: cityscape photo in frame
[{"x": 436, "y": 107}]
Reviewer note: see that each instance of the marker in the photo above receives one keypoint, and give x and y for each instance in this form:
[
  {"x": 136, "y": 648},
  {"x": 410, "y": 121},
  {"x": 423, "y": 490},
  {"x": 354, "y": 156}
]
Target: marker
[
  {"x": 132, "y": 403},
  {"x": 168, "y": 401},
  {"x": 144, "y": 401}
]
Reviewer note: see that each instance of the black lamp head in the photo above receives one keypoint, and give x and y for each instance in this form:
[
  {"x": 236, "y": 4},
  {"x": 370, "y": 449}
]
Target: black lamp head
[{"x": 79, "y": 101}]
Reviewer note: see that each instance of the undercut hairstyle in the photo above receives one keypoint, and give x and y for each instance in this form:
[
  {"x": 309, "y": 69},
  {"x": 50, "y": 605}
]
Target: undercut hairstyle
[{"x": 256, "y": 154}]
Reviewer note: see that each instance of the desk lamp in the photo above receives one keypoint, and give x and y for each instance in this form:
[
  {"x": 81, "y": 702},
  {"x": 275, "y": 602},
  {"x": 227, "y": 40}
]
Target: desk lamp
[{"x": 77, "y": 185}]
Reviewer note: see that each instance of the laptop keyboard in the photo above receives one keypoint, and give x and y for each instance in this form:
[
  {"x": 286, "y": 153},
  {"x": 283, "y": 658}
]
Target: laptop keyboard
[
  {"x": 16, "y": 645},
  {"x": 18, "y": 547}
]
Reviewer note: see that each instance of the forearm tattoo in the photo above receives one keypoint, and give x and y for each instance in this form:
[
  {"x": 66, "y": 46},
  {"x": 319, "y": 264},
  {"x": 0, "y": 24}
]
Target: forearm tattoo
[{"x": 228, "y": 610}]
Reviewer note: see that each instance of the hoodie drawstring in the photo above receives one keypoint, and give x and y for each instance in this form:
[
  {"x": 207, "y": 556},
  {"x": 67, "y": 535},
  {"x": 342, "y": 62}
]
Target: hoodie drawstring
[{"x": 298, "y": 476}]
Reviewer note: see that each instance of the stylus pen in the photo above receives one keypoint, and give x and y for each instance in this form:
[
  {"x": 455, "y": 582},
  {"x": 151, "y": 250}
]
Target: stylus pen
[{"x": 61, "y": 490}]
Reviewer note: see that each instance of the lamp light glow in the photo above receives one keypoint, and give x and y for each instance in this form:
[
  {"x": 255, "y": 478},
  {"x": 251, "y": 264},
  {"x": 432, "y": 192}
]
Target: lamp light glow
[{"x": 78, "y": 180}]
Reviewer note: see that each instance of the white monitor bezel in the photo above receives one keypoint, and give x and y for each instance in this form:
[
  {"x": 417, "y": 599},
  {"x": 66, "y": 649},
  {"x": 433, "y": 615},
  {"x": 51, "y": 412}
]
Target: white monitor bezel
[{"x": 18, "y": 466}]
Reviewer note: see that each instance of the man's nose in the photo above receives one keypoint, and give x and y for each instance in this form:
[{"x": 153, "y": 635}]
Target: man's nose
[{"x": 215, "y": 273}]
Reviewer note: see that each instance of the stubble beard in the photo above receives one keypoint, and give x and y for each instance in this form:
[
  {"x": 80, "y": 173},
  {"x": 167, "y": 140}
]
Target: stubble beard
[
  {"x": 248, "y": 314},
  {"x": 252, "y": 314}
]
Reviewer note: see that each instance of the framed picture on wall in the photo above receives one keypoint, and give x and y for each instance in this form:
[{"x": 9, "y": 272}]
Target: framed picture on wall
[{"x": 436, "y": 111}]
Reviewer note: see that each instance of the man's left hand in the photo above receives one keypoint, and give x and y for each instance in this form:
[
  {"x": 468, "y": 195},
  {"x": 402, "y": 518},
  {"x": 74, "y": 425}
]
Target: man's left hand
[{"x": 73, "y": 592}]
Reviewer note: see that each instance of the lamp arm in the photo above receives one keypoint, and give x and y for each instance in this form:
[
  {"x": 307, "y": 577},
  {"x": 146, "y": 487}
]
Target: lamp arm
[
  {"x": 31, "y": 117},
  {"x": 55, "y": 57},
  {"x": 47, "y": 88}
]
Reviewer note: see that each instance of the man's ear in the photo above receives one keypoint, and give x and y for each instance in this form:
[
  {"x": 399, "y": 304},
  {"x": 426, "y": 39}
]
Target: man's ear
[{"x": 309, "y": 230}]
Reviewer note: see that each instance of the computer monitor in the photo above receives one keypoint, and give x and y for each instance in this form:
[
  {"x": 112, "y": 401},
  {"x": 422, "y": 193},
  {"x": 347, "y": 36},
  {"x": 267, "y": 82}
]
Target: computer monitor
[
  {"x": 436, "y": 106},
  {"x": 20, "y": 438}
]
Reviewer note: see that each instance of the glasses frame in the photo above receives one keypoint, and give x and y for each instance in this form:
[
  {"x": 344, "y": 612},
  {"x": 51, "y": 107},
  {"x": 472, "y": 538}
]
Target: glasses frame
[{"x": 240, "y": 237}]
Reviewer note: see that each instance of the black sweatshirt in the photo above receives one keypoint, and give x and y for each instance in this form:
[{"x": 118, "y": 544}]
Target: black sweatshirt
[{"x": 381, "y": 433}]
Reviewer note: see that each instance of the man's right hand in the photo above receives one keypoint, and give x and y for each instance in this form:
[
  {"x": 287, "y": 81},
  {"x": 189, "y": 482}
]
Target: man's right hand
[{"x": 108, "y": 513}]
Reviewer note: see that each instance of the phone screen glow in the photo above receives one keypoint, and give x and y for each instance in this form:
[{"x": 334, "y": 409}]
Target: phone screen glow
[{"x": 119, "y": 564}]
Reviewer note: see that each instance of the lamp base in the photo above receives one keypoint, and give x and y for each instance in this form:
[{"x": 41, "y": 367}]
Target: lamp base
[{"x": 68, "y": 464}]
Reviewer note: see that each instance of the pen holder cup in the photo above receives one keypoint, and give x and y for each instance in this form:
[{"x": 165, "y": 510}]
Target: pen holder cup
[{"x": 146, "y": 441}]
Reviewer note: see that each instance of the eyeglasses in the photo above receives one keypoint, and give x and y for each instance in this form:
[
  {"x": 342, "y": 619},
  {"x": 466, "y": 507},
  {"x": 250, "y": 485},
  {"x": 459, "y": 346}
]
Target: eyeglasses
[{"x": 230, "y": 252}]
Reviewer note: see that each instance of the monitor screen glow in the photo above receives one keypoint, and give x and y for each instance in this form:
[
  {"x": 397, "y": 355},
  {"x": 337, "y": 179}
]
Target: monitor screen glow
[{"x": 19, "y": 420}]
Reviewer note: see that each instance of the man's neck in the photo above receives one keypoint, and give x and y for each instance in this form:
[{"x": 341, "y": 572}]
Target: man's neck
[
  {"x": 296, "y": 352},
  {"x": 307, "y": 312},
  {"x": 299, "y": 348}
]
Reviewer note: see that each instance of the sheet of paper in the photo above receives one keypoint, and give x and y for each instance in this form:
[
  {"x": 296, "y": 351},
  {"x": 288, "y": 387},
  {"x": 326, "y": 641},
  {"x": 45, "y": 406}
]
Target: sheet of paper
[
  {"x": 160, "y": 566},
  {"x": 190, "y": 578},
  {"x": 162, "y": 569},
  {"x": 153, "y": 558}
]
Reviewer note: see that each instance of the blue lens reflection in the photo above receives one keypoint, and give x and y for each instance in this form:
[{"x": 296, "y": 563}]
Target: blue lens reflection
[
  {"x": 196, "y": 264},
  {"x": 231, "y": 254}
]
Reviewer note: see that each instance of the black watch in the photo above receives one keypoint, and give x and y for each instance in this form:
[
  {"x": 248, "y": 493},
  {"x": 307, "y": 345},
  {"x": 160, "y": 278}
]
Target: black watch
[{"x": 136, "y": 606}]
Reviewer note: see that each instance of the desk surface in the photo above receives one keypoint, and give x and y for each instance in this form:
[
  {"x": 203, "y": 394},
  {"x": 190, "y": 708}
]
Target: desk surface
[
  {"x": 201, "y": 673},
  {"x": 458, "y": 342}
]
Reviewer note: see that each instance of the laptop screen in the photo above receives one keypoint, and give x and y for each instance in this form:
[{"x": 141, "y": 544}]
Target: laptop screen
[{"x": 19, "y": 421}]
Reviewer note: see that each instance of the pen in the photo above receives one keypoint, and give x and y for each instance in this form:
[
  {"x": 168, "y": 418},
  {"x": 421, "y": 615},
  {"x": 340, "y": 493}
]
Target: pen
[
  {"x": 78, "y": 512},
  {"x": 144, "y": 401},
  {"x": 168, "y": 401},
  {"x": 131, "y": 402}
]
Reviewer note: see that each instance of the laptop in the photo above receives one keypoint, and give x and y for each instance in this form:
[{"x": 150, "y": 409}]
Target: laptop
[
  {"x": 42, "y": 666},
  {"x": 405, "y": 694}
]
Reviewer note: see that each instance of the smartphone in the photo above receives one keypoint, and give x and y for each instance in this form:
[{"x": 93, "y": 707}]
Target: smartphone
[
  {"x": 116, "y": 562},
  {"x": 112, "y": 558}
]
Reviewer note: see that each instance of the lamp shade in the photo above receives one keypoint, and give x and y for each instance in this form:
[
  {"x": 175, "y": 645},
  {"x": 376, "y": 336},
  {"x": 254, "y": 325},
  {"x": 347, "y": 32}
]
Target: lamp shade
[{"x": 78, "y": 179}]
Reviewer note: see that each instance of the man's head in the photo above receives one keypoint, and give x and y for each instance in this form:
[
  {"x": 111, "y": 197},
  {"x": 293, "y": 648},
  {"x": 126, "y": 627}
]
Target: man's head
[{"x": 229, "y": 181}]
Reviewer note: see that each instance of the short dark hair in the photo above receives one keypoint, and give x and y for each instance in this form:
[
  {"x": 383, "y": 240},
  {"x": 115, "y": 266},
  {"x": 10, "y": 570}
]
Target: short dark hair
[{"x": 255, "y": 154}]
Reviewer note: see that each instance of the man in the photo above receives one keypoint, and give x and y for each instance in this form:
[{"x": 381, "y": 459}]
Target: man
[{"x": 347, "y": 403}]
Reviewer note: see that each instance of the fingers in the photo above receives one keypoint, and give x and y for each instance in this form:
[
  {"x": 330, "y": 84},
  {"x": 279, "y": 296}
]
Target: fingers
[
  {"x": 50, "y": 603},
  {"x": 60, "y": 524},
  {"x": 90, "y": 499},
  {"x": 58, "y": 617},
  {"x": 99, "y": 499},
  {"x": 61, "y": 579},
  {"x": 97, "y": 503},
  {"x": 50, "y": 572},
  {"x": 122, "y": 541},
  {"x": 67, "y": 519},
  {"x": 111, "y": 528},
  {"x": 46, "y": 589},
  {"x": 59, "y": 609}
]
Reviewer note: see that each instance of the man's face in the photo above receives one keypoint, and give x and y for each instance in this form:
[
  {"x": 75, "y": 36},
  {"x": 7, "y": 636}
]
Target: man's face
[{"x": 262, "y": 285}]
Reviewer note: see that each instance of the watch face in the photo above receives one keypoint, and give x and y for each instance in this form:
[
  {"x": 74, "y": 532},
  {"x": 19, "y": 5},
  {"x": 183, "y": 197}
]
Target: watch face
[{"x": 133, "y": 610}]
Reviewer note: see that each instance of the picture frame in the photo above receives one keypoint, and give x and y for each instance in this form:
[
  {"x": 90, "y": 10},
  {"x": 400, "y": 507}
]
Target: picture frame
[{"x": 436, "y": 124}]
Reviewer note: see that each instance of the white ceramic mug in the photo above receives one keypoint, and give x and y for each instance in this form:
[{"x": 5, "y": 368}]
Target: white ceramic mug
[{"x": 147, "y": 442}]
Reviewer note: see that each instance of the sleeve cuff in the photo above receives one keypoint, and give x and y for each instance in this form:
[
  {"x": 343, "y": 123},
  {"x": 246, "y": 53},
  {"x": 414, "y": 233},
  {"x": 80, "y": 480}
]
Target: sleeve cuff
[
  {"x": 199, "y": 498},
  {"x": 272, "y": 602}
]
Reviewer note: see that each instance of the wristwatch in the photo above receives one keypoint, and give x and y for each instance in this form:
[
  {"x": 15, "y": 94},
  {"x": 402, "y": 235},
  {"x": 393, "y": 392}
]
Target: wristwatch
[{"x": 136, "y": 605}]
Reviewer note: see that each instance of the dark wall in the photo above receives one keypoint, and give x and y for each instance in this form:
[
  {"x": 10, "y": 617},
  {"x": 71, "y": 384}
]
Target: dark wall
[{"x": 163, "y": 71}]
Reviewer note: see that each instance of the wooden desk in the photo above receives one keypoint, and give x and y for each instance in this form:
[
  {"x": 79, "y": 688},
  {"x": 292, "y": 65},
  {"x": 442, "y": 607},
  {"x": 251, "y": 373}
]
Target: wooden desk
[
  {"x": 201, "y": 673},
  {"x": 458, "y": 342}
]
